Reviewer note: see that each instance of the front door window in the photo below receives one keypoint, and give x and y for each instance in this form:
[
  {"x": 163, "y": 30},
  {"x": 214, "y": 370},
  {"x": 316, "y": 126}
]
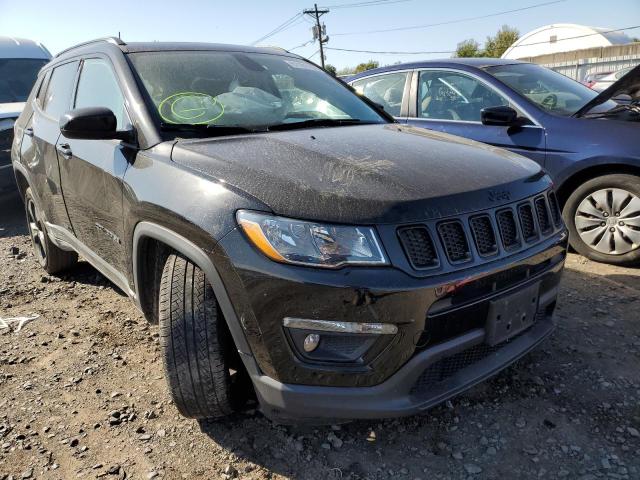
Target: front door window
[{"x": 447, "y": 95}]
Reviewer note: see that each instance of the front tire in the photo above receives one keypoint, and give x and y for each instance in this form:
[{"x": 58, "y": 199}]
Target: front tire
[
  {"x": 199, "y": 354},
  {"x": 49, "y": 256},
  {"x": 603, "y": 218}
]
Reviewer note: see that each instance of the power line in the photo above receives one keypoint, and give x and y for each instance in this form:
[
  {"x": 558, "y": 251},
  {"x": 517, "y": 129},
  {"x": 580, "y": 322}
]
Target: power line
[
  {"x": 453, "y": 51},
  {"x": 449, "y": 22},
  {"x": 388, "y": 53},
  {"x": 369, "y": 3},
  {"x": 283, "y": 26},
  {"x": 301, "y": 45}
]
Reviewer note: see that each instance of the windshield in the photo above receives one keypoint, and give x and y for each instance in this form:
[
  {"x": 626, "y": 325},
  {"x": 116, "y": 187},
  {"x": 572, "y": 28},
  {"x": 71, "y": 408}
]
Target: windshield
[
  {"x": 17, "y": 76},
  {"x": 246, "y": 90},
  {"x": 549, "y": 90}
]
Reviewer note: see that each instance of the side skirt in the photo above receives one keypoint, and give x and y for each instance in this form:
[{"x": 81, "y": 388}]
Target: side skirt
[{"x": 65, "y": 240}]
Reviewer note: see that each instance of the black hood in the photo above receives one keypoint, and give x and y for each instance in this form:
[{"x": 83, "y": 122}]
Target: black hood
[
  {"x": 365, "y": 174},
  {"x": 627, "y": 85}
]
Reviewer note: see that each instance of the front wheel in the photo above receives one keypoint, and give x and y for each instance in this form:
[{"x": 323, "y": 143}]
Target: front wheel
[
  {"x": 603, "y": 218},
  {"x": 206, "y": 376}
]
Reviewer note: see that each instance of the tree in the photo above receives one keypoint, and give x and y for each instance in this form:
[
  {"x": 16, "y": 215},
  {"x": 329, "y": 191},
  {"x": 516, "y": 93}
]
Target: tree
[
  {"x": 330, "y": 69},
  {"x": 497, "y": 45},
  {"x": 362, "y": 67},
  {"x": 468, "y": 48},
  {"x": 346, "y": 71}
]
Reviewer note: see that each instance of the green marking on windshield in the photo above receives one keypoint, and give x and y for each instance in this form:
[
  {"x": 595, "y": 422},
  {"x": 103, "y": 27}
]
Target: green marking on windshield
[{"x": 185, "y": 107}]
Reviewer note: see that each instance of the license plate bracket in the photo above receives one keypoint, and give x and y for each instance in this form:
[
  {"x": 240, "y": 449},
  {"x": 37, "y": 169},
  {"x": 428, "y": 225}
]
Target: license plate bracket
[{"x": 511, "y": 314}]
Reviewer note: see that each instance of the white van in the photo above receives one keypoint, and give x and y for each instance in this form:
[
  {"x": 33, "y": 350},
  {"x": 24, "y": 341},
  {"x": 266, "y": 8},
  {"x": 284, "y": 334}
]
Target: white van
[{"x": 20, "y": 62}]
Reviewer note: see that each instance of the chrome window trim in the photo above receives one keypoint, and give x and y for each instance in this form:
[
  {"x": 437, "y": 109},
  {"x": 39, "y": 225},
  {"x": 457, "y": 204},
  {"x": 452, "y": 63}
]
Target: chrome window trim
[{"x": 367, "y": 77}]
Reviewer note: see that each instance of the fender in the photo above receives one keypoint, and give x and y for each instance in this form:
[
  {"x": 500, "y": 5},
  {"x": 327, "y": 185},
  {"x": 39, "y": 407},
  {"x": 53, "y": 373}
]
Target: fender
[
  {"x": 560, "y": 180},
  {"x": 201, "y": 259}
]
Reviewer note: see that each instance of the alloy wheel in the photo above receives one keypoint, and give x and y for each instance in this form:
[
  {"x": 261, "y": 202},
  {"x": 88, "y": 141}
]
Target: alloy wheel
[
  {"x": 608, "y": 221},
  {"x": 36, "y": 232}
]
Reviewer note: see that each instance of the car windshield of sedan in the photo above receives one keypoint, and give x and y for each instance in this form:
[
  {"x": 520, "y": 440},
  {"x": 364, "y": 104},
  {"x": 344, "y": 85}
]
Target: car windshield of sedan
[
  {"x": 17, "y": 76},
  {"x": 246, "y": 91},
  {"x": 547, "y": 89}
]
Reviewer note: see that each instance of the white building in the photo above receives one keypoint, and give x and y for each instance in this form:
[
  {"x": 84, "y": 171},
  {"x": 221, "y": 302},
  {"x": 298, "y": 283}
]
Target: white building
[{"x": 563, "y": 37}]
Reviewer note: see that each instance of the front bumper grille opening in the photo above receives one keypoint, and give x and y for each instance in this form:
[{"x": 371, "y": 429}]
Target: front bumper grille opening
[
  {"x": 454, "y": 241},
  {"x": 508, "y": 229},
  {"x": 555, "y": 208},
  {"x": 543, "y": 215},
  {"x": 527, "y": 223},
  {"x": 419, "y": 247},
  {"x": 449, "y": 366},
  {"x": 484, "y": 236}
]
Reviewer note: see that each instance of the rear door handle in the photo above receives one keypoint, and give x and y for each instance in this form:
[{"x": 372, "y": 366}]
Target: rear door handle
[
  {"x": 65, "y": 150},
  {"x": 28, "y": 132}
]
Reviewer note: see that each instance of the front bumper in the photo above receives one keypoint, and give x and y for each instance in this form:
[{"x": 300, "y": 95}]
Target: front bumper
[
  {"x": 396, "y": 378},
  {"x": 402, "y": 394}
]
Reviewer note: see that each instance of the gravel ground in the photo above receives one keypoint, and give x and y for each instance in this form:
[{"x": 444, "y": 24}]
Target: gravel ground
[{"x": 82, "y": 395}]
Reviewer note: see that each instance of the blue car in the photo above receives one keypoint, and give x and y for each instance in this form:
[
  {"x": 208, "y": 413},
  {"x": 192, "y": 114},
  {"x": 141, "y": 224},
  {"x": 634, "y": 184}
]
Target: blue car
[{"x": 589, "y": 143}]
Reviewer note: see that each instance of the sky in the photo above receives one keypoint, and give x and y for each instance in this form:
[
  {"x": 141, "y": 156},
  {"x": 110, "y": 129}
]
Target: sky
[{"x": 62, "y": 23}]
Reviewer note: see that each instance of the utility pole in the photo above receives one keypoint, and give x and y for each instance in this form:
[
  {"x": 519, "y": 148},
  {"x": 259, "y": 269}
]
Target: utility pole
[{"x": 319, "y": 31}]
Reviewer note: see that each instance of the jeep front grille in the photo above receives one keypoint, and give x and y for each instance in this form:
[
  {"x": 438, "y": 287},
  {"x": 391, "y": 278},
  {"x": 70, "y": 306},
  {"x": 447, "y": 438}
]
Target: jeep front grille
[
  {"x": 543, "y": 214},
  {"x": 481, "y": 236},
  {"x": 455, "y": 241},
  {"x": 418, "y": 247},
  {"x": 555, "y": 208},
  {"x": 508, "y": 229},
  {"x": 526, "y": 222}
]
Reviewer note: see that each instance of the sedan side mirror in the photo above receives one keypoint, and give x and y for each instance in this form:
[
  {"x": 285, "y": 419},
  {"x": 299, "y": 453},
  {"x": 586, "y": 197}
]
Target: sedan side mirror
[
  {"x": 92, "y": 123},
  {"x": 502, "y": 116}
]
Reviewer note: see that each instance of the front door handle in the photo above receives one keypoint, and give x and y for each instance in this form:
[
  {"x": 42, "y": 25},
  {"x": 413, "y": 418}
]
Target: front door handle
[
  {"x": 65, "y": 150},
  {"x": 28, "y": 132}
]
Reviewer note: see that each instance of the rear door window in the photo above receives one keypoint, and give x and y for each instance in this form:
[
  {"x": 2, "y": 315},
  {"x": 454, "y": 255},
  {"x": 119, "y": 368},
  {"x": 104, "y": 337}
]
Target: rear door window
[
  {"x": 59, "y": 90},
  {"x": 98, "y": 87},
  {"x": 386, "y": 90}
]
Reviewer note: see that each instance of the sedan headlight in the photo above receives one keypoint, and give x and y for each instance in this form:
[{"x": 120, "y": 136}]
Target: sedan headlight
[{"x": 310, "y": 243}]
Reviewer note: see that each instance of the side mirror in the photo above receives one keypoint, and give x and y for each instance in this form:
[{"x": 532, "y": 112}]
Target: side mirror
[
  {"x": 92, "y": 123},
  {"x": 502, "y": 116}
]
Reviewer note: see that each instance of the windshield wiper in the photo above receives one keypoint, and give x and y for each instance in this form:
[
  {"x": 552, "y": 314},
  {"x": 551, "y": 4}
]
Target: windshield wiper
[
  {"x": 630, "y": 107},
  {"x": 318, "y": 122},
  {"x": 210, "y": 128}
]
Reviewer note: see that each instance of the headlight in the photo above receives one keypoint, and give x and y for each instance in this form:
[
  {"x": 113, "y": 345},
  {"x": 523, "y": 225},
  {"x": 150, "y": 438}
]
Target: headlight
[{"x": 310, "y": 243}]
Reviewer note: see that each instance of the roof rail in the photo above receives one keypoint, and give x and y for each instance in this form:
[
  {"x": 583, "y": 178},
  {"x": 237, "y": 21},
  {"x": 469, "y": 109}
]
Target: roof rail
[{"x": 113, "y": 40}]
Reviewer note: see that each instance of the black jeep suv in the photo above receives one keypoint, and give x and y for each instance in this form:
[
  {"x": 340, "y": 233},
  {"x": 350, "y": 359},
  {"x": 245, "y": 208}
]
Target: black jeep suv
[{"x": 289, "y": 238}]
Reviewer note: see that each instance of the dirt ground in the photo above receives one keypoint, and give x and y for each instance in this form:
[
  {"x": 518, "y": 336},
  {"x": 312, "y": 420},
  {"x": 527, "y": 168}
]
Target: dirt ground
[{"x": 82, "y": 395}]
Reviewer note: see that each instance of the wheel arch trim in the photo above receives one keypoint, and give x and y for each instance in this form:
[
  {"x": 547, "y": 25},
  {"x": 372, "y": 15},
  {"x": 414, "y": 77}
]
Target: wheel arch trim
[{"x": 194, "y": 253}]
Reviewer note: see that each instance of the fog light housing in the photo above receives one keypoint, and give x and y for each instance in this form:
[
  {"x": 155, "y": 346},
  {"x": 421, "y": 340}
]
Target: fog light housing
[{"x": 328, "y": 341}]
